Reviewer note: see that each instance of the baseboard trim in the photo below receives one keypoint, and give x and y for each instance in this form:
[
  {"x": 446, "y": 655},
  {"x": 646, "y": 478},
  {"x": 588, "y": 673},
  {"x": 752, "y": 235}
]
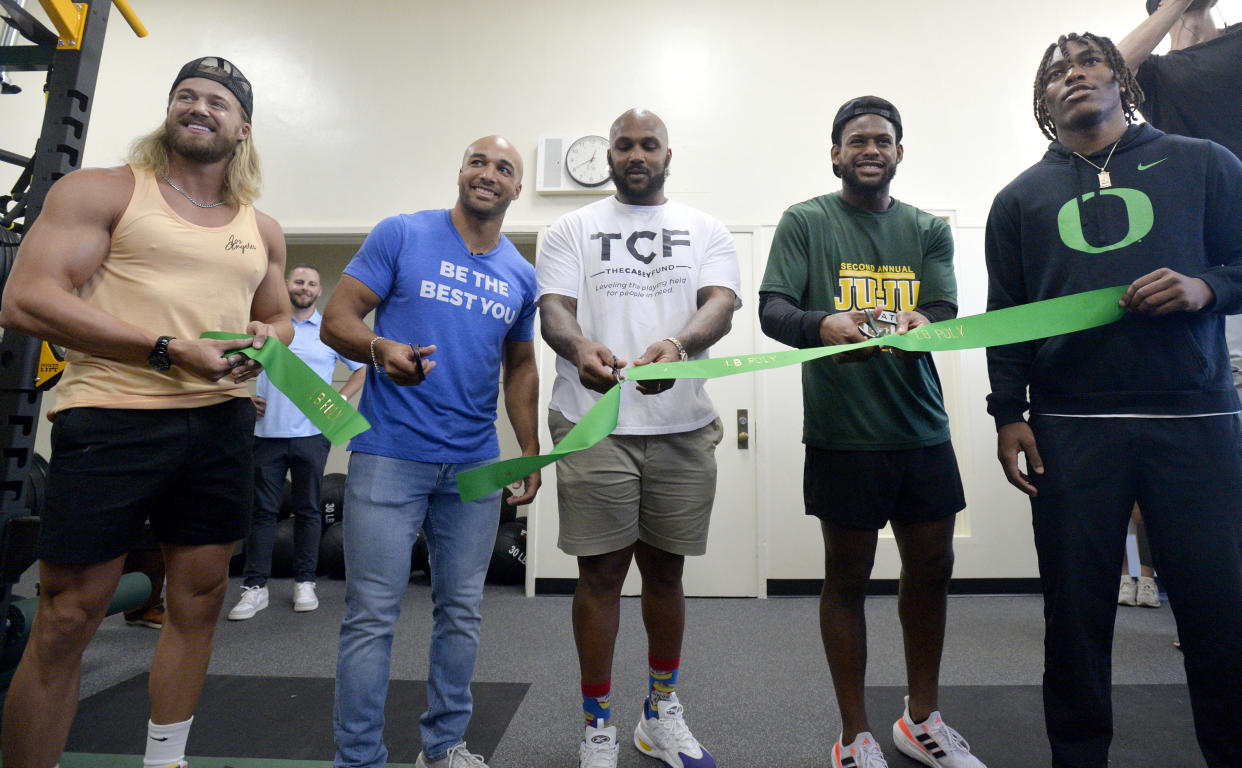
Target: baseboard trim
[
  {"x": 806, "y": 587},
  {"x": 555, "y": 586},
  {"x": 1011, "y": 586}
]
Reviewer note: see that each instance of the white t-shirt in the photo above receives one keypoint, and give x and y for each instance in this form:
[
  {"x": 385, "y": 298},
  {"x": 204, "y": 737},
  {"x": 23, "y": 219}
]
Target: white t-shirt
[{"x": 635, "y": 271}]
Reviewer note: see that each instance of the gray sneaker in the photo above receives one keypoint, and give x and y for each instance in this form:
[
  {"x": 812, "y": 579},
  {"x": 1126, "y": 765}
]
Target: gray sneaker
[{"x": 456, "y": 757}]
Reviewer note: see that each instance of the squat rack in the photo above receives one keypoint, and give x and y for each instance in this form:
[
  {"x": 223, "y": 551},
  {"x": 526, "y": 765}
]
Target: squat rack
[{"x": 70, "y": 55}]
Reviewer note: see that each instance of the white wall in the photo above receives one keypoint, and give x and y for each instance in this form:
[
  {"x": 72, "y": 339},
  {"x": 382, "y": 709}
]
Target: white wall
[{"x": 363, "y": 108}]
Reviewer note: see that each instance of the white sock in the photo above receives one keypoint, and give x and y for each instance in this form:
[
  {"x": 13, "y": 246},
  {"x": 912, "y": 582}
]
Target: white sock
[{"x": 166, "y": 744}]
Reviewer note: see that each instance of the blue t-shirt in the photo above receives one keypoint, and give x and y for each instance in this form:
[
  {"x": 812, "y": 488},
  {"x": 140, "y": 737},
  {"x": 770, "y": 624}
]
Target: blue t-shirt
[
  {"x": 434, "y": 291},
  {"x": 281, "y": 418}
]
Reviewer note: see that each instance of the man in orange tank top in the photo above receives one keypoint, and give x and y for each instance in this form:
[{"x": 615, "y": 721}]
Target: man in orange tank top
[{"x": 126, "y": 267}]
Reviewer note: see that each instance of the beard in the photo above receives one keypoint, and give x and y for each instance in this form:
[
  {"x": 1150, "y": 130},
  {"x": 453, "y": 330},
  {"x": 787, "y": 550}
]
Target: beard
[
  {"x": 208, "y": 149},
  {"x": 494, "y": 210},
  {"x": 851, "y": 179},
  {"x": 643, "y": 191},
  {"x": 300, "y": 302}
]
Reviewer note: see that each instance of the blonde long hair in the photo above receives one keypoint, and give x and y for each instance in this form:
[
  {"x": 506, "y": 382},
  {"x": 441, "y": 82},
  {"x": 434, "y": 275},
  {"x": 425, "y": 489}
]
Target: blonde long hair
[{"x": 242, "y": 180}]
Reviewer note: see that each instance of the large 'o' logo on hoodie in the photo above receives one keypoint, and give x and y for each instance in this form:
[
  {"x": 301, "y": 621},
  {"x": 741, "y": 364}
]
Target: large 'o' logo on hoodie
[{"x": 1139, "y": 214}]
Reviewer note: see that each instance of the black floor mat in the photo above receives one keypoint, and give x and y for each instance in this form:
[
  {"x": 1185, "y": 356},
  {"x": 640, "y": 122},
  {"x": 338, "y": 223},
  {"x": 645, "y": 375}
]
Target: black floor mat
[
  {"x": 279, "y": 717},
  {"x": 1152, "y": 724}
]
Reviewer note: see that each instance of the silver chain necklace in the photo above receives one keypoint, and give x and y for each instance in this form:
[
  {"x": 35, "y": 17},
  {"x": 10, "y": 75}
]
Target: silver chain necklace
[
  {"x": 1106, "y": 180},
  {"x": 187, "y": 195}
]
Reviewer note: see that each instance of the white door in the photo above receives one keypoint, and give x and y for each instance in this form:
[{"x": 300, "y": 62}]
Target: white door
[{"x": 731, "y": 566}]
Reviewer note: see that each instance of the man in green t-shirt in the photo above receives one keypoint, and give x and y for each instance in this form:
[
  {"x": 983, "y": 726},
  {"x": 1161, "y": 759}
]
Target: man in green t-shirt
[{"x": 844, "y": 266}]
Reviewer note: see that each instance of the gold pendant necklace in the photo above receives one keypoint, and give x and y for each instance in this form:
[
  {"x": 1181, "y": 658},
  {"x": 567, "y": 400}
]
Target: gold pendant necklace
[{"x": 1106, "y": 181}]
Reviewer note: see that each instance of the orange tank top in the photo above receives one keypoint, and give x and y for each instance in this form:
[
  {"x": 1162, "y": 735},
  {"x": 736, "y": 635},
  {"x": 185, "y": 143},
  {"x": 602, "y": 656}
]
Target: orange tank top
[{"x": 173, "y": 278}]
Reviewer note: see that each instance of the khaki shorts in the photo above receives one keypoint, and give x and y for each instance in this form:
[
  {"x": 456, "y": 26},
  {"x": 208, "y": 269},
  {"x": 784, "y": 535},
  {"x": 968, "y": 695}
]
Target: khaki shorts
[{"x": 626, "y": 488}]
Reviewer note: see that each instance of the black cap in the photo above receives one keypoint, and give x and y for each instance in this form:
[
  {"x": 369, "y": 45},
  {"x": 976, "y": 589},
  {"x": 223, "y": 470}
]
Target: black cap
[
  {"x": 864, "y": 105},
  {"x": 223, "y": 72}
]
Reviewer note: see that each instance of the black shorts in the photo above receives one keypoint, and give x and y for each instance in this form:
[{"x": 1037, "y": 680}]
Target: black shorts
[
  {"x": 866, "y": 489},
  {"x": 189, "y": 470}
]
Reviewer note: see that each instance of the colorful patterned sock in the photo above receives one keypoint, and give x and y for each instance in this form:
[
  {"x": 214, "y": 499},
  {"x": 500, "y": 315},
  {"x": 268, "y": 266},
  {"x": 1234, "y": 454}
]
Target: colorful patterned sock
[
  {"x": 663, "y": 680},
  {"x": 597, "y": 703}
]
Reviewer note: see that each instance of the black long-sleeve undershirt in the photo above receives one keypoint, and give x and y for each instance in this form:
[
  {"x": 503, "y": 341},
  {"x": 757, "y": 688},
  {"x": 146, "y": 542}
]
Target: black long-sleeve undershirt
[{"x": 782, "y": 318}]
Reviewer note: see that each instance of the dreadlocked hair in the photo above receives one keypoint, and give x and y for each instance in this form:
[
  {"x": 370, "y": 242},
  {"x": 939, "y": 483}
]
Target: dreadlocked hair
[{"x": 1131, "y": 93}]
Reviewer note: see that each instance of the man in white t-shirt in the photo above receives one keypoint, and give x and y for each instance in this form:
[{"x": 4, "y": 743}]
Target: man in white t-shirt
[{"x": 635, "y": 277}]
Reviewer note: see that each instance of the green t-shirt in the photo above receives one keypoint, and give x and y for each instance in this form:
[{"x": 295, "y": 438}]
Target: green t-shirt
[{"x": 830, "y": 256}]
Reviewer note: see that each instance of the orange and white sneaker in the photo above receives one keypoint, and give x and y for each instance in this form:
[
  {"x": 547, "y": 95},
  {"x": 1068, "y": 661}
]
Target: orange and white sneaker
[
  {"x": 932, "y": 742},
  {"x": 863, "y": 752}
]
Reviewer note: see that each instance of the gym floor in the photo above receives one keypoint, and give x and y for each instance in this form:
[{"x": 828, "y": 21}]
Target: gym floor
[{"x": 754, "y": 679}]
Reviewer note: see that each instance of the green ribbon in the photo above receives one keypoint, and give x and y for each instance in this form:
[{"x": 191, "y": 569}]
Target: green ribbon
[
  {"x": 327, "y": 410},
  {"x": 1026, "y": 322}
]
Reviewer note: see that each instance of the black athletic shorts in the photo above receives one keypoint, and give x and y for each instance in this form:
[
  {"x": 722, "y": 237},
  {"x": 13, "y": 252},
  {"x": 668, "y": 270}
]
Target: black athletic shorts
[
  {"x": 866, "y": 489},
  {"x": 190, "y": 470}
]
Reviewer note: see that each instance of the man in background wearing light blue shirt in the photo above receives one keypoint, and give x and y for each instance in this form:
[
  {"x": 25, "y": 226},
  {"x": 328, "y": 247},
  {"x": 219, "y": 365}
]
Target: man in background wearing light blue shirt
[{"x": 286, "y": 441}]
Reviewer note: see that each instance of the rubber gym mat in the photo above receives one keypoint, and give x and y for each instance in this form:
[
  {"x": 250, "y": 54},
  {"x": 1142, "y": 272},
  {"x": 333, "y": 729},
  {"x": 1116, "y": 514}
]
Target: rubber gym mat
[
  {"x": 260, "y": 719},
  {"x": 1152, "y": 724}
]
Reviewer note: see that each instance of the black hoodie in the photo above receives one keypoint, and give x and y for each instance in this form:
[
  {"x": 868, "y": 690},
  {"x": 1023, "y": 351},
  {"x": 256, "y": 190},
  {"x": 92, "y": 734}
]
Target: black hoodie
[{"x": 1174, "y": 202}]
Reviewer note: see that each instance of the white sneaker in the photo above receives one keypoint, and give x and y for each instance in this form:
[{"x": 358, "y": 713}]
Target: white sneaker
[
  {"x": 1147, "y": 594},
  {"x": 456, "y": 757},
  {"x": 253, "y": 600},
  {"x": 932, "y": 742},
  {"x": 304, "y": 596},
  {"x": 863, "y": 752},
  {"x": 667, "y": 738},
  {"x": 598, "y": 748},
  {"x": 1125, "y": 594}
]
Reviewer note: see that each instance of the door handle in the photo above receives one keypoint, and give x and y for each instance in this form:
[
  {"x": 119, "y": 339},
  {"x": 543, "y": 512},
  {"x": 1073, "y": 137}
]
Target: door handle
[{"x": 743, "y": 429}]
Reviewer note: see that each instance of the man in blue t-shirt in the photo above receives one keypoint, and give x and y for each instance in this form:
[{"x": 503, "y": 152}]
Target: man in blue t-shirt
[
  {"x": 445, "y": 283},
  {"x": 287, "y": 443}
]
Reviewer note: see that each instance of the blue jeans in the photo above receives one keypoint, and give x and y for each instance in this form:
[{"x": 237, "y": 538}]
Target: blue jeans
[{"x": 386, "y": 502}]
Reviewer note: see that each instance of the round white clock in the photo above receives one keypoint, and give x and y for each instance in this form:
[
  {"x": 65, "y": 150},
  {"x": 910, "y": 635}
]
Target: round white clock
[{"x": 586, "y": 160}]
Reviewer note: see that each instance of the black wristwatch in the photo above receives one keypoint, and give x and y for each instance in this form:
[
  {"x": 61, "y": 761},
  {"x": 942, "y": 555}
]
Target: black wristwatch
[{"x": 158, "y": 359}]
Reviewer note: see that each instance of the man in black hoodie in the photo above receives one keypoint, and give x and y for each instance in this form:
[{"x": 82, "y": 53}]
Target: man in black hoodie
[
  {"x": 1196, "y": 88},
  {"x": 1141, "y": 409}
]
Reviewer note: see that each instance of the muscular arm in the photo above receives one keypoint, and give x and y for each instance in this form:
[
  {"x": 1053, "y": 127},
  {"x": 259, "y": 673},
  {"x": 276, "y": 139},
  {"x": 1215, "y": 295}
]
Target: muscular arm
[
  {"x": 558, "y": 324},
  {"x": 706, "y": 326},
  {"x": 782, "y": 318},
  {"x": 64, "y": 248},
  {"x": 271, "y": 300},
  {"x": 344, "y": 330},
  {"x": 521, "y": 384},
  {"x": 1143, "y": 39}
]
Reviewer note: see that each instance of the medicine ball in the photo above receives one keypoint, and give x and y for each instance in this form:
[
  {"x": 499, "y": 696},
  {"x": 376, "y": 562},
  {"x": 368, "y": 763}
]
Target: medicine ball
[
  {"x": 237, "y": 563},
  {"x": 508, "y": 564},
  {"x": 332, "y": 498},
  {"x": 508, "y": 512},
  {"x": 35, "y": 488},
  {"x": 282, "y": 549},
  {"x": 332, "y": 552},
  {"x": 420, "y": 557}
]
